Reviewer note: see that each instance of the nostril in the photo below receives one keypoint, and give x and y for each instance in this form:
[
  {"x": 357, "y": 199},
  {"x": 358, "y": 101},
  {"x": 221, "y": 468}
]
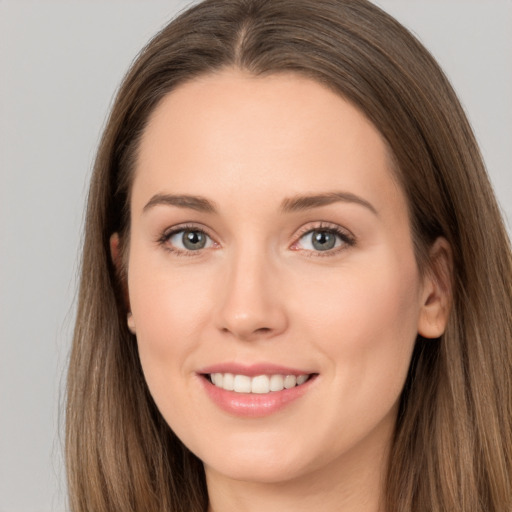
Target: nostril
[{"x": 247, "y": 331}]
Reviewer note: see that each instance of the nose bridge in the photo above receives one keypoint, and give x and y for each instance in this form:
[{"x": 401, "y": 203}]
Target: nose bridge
[{"x": 250, "y": 305}]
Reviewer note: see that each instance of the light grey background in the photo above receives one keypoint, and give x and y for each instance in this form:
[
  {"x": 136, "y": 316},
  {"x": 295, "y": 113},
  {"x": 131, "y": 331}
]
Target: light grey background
[{"x": 60, "y": 63}]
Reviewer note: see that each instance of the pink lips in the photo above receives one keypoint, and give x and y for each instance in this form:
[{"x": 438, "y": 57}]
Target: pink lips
[
  {"x": 251, "y": 405},
  {"x": 251, "y": 370}
]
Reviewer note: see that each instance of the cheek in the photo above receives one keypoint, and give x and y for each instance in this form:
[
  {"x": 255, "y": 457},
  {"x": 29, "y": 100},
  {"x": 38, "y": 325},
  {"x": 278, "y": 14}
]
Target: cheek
[
  {"x": 364, "y": 295},
  {"x": 170, "y": 308},
  {"x": 365, "y": 322}
]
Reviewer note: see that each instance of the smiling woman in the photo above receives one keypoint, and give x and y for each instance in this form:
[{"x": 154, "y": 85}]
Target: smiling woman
[
  {"x": 322, "y": 298},
  {"x": 286, "y": 299}
]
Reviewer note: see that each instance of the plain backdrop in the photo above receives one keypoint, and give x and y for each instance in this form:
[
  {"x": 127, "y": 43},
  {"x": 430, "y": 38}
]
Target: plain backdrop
[{"x": 60, "y": 64}]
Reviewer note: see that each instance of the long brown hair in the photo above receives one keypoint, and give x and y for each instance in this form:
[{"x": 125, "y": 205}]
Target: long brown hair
[{"x": 453, "y": 443}]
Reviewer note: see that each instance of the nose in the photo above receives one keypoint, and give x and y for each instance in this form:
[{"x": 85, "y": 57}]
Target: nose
[{"x": 251, "y": 302}]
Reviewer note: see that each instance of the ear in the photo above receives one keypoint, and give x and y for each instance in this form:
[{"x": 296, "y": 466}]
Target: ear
[
  {"x": 130, "y": 321},
  {"x": 117, "y": 260},
  {"x": 437, "y": 291},
  {"x": 115, "y": 253}
]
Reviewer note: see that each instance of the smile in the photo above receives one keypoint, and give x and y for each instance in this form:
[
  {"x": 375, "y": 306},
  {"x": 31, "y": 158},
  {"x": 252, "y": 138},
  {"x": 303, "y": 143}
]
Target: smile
[
  {"x": 255, "y": 391},
  {"x": 259, "y": 384}
]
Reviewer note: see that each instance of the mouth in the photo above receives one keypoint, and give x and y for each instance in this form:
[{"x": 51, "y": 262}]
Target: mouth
[
  {"x": 259, "y": 384},
  {"x": 256, "y": 390}
]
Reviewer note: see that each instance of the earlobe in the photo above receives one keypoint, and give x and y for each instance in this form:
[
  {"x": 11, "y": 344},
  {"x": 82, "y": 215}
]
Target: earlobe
[
  {"x": 437, "y": 291},
  {"x": 130, "y": 322}
]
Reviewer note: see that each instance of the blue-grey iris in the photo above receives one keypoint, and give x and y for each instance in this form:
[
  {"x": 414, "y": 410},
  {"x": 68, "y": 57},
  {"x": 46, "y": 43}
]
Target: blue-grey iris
[
  {"x": 193, "y": 240},
  {"x": 323, "y": 240}
]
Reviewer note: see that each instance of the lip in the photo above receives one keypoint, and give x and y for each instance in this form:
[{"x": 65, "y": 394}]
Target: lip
[
  {"x": 251, "y": 405},
  {"x": 253, "y": 370}
]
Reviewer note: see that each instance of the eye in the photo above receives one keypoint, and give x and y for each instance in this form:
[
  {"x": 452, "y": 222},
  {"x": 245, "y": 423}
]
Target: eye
[
  {"x": 185, "y": 240},
  {"x": 324, "y": 240}
]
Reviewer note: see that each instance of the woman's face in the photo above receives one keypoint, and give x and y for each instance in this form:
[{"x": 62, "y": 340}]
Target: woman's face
[{"x": 270, "y": 251}]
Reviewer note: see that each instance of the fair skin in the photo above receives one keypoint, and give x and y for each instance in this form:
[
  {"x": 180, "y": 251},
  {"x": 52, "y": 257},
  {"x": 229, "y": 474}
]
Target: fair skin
[{"x": 326, "y": 288}]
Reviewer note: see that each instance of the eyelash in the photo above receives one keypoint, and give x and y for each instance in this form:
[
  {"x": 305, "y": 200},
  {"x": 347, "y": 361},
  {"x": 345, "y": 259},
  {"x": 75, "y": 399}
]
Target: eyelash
[
  {"x": 347, "y": 239},
  {"x": 166, "y": 236}
]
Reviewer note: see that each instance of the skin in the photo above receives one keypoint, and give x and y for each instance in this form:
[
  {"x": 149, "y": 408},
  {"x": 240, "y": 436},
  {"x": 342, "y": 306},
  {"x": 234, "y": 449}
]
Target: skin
[{"x": 260, "y": 292}]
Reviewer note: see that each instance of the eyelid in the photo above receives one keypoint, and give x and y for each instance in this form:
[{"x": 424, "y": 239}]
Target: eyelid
[
  {"x": 163, "y": 239},
  {"x": 347, "y": 237}
]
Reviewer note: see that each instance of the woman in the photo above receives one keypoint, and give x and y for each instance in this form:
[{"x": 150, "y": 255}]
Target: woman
[{"x": 296, "y": 283}]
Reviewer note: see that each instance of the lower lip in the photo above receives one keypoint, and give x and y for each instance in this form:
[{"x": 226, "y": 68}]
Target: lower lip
[{"x": 254, "y": 405}]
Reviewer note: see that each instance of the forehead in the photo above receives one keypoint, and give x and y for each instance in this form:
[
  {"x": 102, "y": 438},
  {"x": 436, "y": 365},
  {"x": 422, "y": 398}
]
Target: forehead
[{"x": 237, "y": 133}]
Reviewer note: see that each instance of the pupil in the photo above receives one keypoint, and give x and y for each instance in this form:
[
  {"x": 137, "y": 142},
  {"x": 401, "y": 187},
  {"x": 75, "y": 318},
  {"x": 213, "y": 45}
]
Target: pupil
[
  {"x": 323, "y": 240},
  {"x": 194, "y": 240}
]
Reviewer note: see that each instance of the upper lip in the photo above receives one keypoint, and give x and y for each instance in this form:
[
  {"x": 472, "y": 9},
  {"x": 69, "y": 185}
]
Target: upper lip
[{"x": 252, "y": 370}]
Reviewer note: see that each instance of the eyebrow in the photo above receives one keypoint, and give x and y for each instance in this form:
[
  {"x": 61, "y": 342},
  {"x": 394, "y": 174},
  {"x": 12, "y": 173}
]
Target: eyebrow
[
  {"x": 306, "y": 202},
  {"x": 288, "y": 205},
  {"x": 197, "y": 203}
]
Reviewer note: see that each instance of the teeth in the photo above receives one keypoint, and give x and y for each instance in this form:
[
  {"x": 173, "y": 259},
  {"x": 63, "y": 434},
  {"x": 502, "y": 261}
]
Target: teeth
[
  {"x": 301, "y": 379},
  {"x": 261, "y": 384},
  {"x": 217, "y": 379},
  {"x": 276, "y": 383},
  {"x": 290, "y": 381},
  {"x": 242, "y": 384},
  {"x": 228, "y": 382}
]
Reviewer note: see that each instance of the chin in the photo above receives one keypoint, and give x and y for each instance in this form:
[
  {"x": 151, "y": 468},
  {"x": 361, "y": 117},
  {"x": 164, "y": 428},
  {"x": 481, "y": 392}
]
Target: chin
[
  {"x": 258, "y": 472},
  {"x": 271, "y": 464}
]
